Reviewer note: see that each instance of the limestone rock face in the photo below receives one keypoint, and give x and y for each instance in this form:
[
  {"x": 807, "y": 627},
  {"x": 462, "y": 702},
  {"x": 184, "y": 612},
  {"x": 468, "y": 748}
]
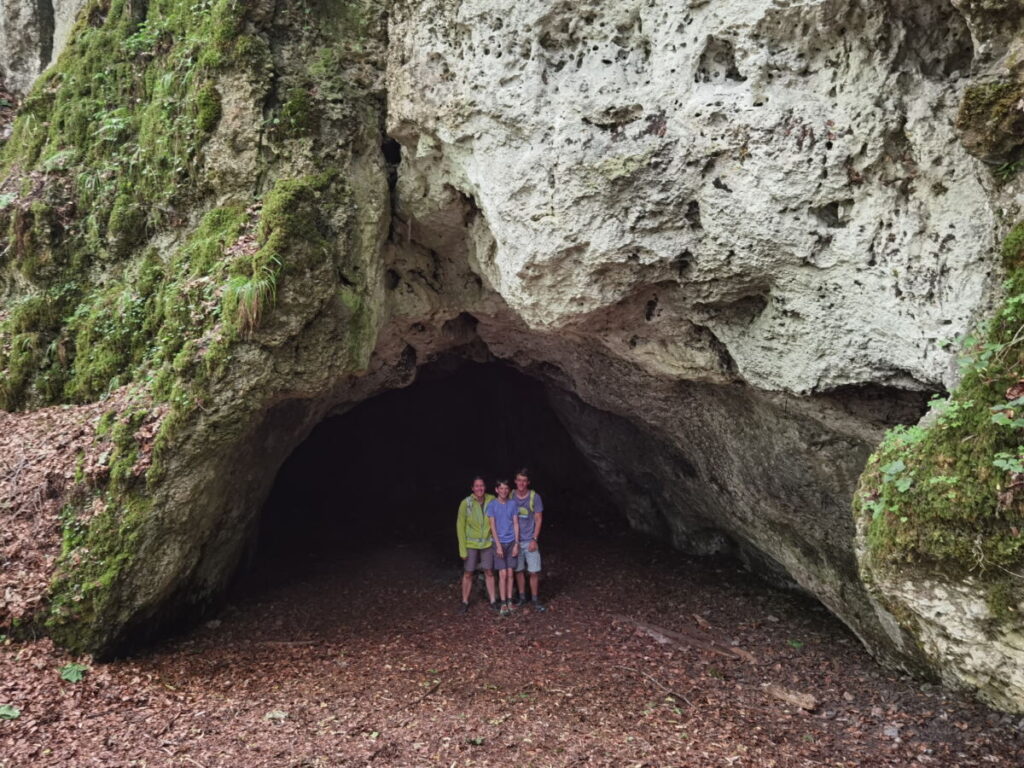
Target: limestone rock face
[
  {"x": 736, "y": 239},
  {"x": 781, "y": 180},
  {"x": 741, "y": 233},
  {"x": 32, "y": 35},
  {"x": 969, "y": 647}
]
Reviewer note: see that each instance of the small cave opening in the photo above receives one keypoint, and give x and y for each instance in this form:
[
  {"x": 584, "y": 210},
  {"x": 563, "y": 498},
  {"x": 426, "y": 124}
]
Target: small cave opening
[{"x": 392, "y": 471}]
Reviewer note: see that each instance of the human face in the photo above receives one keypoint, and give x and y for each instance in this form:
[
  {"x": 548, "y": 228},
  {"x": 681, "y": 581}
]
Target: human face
[
  {"x": 502, "y": 490},
  {"x": 479, "y": 488},
  {"x": 522, "y": 483}
]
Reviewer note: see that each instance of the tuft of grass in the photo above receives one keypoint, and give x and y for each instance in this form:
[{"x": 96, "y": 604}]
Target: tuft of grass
[{"x": 250, "y": 296}]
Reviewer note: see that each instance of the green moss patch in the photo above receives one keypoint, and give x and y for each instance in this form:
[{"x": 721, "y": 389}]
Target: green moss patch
[
  {"x": 127, "y": 264},
  {"x": 991, "y": 123},
  {"x": 950, "y": 496}
]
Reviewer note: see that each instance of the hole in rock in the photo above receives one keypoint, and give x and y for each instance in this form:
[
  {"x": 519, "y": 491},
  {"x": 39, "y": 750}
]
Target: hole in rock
[
  {"x": 392, "y": 151},
  {"x": 392, "y": 471}
]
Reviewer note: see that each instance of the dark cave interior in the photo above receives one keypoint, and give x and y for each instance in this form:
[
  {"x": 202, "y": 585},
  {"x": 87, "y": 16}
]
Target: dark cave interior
[{"x": 394, "y": 468}]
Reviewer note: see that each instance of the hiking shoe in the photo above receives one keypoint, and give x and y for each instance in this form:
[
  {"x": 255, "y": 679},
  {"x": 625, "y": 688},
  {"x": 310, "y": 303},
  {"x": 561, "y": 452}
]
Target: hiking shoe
[
  {"x": 463, "y": 607},
  {"x": 505, "y": 610},
  {"x": 539, "y": 606},
  {"x": 494, "y": 605},
  {"x": 520, "y": 600}
]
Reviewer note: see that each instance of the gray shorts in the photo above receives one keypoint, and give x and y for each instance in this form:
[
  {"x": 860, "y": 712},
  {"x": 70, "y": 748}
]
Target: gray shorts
[
  {"x": 505, "y": 562},
  {"x": 527, "y": 560},
  {"x": 482, "y": 557}
]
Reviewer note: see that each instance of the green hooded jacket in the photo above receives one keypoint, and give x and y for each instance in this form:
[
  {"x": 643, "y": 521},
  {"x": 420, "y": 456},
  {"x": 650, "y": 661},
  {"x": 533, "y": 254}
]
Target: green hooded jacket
[{"x": 472, "y": 525}]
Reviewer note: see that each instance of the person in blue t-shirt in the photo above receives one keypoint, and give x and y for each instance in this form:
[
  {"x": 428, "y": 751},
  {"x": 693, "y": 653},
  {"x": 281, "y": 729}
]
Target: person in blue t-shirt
[
  {"x": 530, "y": 510},
  {"x": 502, "y": 513}
]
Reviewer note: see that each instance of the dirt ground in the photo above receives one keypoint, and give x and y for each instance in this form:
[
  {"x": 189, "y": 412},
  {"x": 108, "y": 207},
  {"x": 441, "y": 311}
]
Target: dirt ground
[{"x": 363, "y": 660}]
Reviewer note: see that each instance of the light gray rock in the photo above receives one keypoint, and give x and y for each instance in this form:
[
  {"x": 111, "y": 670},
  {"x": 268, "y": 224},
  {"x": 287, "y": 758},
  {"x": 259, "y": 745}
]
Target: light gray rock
[
  {"x": 735, "y": 238},
  {"x": 786, "y": 174},
  {"x": 739, "y": 233},
  {"x": 32, "y": 35}
]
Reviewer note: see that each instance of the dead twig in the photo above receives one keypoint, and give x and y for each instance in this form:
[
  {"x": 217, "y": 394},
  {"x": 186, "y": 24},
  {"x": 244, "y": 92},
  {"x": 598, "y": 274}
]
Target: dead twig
[
  {"x": 662, "y": 686},
  {"x": 428, "y": 692},
  {"x": 665, "y": 636}
]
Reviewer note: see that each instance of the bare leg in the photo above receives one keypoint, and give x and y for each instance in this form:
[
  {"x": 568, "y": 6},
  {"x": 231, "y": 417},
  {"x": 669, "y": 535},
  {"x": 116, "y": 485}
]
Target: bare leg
[
  {"x": 534, "y": 585},
  {"x": 505, "y": 584},
  {"x": 467, "y": 585},
  {"x": 489, "y": 580},
  {"x": 521, "y": 582}
]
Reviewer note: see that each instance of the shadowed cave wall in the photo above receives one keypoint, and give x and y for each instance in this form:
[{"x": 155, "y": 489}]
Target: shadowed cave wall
[{"x": 394, "y": 468}]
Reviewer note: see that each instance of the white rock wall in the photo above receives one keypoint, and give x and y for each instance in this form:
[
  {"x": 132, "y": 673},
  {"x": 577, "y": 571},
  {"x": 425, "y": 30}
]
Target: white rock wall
[
  {"x": 786, "y": 174},
  {"x": 32, "y": 35},
  {"x": 761, "y": 194}
]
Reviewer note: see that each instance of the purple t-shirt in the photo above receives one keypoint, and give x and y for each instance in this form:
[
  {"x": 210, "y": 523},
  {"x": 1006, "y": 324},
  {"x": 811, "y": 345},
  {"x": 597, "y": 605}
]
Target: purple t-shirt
[
  {"x": 503, "y": 514},
  {"x": 526, "y": 519}
]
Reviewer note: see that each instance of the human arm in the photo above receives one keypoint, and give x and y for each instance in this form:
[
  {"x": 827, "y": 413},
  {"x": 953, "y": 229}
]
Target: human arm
[
  {"x": 494, "y": 535},
  {"x": 515, "y": 541},
  {"x": 460, "y": 529},
  {"x": 538, "y": 519}
]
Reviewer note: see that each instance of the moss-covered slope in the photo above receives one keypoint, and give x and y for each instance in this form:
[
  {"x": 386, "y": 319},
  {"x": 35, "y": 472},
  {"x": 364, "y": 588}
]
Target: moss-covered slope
[{"x": 190, "y": 205}]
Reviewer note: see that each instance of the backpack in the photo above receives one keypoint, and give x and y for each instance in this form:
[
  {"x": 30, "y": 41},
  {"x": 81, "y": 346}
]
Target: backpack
[{"x": 526, "y": 514}]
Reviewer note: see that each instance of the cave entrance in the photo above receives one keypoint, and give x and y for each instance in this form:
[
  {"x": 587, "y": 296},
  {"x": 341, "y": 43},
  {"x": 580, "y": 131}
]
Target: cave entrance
[{"x": 392, "y": 470}]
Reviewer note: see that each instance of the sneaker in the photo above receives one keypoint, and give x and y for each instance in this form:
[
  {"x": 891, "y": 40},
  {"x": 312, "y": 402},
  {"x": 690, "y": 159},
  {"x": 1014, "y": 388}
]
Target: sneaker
[
  {"x": 539, "y": 606},
  {"x": 505, "y": 610},
  {"x": 520, "y": 599},
  {"x": 463, "y": 607},
  {"x": 511, "y": 606},
  {"x": 494, "y": 606}
]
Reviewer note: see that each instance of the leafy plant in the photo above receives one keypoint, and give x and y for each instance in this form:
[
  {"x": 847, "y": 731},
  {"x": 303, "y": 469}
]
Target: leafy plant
[
  {"x": 1009, "y": 462},
  {"x": 1005, "y": 414},
  {"x": 73, "y": 672},
  {"x": 9, "y": 712}
]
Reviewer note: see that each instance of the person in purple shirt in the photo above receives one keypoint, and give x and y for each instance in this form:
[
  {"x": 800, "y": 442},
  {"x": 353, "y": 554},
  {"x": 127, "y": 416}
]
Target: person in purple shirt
[
  {"x": 502, "y": 513},
  {"x": 530, "y": 511}
]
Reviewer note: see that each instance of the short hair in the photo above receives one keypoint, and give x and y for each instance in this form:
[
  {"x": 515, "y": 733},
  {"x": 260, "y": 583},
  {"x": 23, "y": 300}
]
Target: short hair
[
  {"x": 481, "y": 478},
  {"x": 524, "y": 472},
  {"x": 502, "y": 481}
]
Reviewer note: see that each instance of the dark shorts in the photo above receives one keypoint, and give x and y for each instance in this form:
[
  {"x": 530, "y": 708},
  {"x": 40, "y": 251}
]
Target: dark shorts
[
  {"x": 501, "y": 563},
  {"x": 482, "y": 557}
]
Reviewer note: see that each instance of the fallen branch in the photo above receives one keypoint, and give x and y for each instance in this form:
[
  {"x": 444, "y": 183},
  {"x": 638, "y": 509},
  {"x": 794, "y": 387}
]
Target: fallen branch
[
  {"x": 665, "y": 636},
  {"x": 802, "y": 700},
  {"x": 674, "y": 694}
]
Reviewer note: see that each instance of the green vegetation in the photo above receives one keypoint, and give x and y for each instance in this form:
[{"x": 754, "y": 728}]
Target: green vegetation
[
  {"x": 951, "y": 495},
  {"x": 118, "y": 126},
  {"x": 132, "y": 257},
  {"x": 73, "y": 672},
  {"x": 992, "y": 124},
  {"x": 9, "y": 712}
]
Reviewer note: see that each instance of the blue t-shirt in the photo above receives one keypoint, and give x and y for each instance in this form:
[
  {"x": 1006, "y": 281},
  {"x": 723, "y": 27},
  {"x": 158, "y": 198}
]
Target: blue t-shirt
[
  {"x": 526, "y": 518},
  {"x": 503, "y": 514}
]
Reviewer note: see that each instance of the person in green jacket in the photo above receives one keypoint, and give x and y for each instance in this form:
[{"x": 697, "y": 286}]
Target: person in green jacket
[{"x": 475, "y": 543}]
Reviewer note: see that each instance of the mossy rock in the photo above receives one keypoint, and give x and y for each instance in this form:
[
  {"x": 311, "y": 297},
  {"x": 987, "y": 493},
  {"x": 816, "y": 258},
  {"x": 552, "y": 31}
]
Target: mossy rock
[
  {"x": 991, "y": 121},
  {"x": 946, "y": 497}
]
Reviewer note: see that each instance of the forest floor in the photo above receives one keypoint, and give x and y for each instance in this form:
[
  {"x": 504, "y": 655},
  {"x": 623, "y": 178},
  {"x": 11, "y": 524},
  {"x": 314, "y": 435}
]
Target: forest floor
[{"x": 644, "y": 659}]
